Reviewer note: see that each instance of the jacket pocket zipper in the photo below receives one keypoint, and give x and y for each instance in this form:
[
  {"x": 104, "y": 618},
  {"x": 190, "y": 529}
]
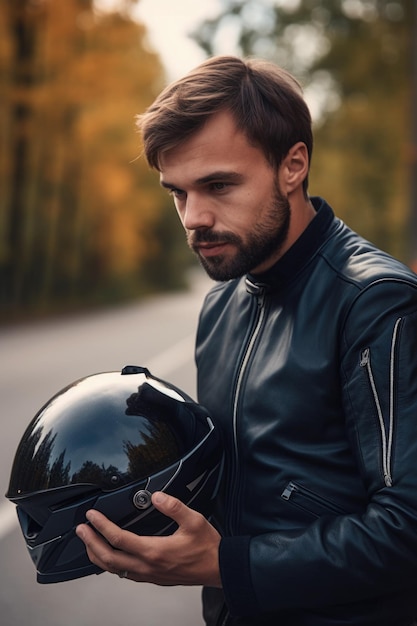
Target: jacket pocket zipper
[
  {"x": 386, "y": 432},
  {"x": 310, "y": 501}
]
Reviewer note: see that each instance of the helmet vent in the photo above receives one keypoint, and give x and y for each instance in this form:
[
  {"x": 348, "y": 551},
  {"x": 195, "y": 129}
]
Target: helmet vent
[{"x": 30, "y": 527}]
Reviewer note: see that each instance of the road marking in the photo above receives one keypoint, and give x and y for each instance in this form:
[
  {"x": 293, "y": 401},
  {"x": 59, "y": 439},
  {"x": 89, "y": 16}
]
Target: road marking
[{"x": 161, "y": 366}]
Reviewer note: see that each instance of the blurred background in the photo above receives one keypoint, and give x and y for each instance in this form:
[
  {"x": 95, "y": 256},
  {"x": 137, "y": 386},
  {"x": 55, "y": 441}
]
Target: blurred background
[
  {"x": 83, "y": 222},
  {"x": 94, "y": 271}
]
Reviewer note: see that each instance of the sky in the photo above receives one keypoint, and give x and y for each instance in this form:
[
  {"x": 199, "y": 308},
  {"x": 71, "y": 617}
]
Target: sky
[{"x": 168, "y": 23}]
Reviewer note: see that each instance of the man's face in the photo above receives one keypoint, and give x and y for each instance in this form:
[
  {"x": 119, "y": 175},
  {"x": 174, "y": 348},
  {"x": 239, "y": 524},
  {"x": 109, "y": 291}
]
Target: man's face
[{"x": 228, "y": 199}]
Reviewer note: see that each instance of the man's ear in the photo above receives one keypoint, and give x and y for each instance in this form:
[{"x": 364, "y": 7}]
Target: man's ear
[{"x": 294, "y": 168}]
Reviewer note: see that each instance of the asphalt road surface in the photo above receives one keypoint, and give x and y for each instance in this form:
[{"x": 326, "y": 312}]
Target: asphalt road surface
[{"x": 38, "y": 360}]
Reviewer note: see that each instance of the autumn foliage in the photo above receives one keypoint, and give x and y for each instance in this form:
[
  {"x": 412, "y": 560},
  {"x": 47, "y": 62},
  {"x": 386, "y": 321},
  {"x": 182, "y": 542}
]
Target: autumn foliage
[{"x": 82, "y": 219}]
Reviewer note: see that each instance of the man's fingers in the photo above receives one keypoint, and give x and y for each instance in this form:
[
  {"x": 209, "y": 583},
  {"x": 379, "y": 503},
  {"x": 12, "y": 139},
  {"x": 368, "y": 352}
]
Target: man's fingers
[
  {"x": 105, "y": 527},
  {"x": 128, "y": 542},
  {"x": 174, "y": 508},
  {"x": 110, "y": 553},
  {"x": 114, "y": 535},
  {"x": 189, "y": 556}
]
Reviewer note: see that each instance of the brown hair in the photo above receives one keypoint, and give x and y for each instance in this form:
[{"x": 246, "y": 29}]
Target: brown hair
[{"x": 265, "y": 101}]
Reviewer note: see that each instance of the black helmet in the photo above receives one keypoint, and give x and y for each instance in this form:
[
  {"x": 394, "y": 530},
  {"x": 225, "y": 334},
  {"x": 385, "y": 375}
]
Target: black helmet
[{"x": 107, "y": 442}]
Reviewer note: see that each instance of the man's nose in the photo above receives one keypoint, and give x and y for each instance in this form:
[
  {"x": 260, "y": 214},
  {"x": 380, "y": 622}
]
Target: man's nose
[{"x": 197, "y": 213}]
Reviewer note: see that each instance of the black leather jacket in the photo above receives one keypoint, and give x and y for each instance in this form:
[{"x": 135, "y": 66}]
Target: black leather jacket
[{"x": 311, "y": 372}]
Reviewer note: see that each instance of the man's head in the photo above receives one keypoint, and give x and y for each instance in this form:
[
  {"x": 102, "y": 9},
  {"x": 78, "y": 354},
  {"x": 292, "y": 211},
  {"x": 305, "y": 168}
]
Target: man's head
[
  {"x": 265, "y": 101},
  {"x": 232, "y": 143}
]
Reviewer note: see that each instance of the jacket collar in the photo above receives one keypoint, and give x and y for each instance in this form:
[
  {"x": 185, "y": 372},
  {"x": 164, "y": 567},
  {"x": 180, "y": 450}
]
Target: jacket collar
[{"x": 306, "y": 246}]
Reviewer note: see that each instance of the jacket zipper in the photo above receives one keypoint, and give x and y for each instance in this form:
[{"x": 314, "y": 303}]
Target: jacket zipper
[
  {"x": 305, "y": 496},
  {"x": 386, "y": 436},
  {"x": 259, "y": 292}
]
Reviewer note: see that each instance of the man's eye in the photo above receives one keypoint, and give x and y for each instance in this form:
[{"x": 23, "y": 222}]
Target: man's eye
[
  {"x": 177, "y": 193},
  {"x": 219, "y": 186}
]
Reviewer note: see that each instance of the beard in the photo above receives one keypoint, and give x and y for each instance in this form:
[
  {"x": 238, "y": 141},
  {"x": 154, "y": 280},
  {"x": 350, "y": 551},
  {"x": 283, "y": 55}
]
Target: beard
[{"x": 264, "y": 240}]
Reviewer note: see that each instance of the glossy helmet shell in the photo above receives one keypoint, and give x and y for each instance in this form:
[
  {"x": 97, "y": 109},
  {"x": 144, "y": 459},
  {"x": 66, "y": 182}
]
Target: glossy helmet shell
[{"x": 107, "y": 442}]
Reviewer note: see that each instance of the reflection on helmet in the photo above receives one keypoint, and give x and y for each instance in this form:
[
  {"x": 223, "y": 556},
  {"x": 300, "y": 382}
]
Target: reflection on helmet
[{"x": 108, "y": 441}]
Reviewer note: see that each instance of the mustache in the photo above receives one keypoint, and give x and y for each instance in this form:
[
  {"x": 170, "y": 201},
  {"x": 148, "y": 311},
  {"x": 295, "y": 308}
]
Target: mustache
[{"x": 205, "y": 235}]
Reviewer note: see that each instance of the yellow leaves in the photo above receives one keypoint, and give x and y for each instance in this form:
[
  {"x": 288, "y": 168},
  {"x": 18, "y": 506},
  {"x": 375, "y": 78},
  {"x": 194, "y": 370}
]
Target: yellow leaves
[
  {"x": 119, "y": 242},
  {"x": 123, "y": 218},
  {"x": 73, "y": 203},
  {"x": 113, "y": 182}
]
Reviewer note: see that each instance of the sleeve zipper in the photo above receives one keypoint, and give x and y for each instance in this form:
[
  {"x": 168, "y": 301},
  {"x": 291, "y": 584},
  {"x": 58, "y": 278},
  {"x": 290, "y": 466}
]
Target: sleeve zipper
[{"x": 386, "y": 432}]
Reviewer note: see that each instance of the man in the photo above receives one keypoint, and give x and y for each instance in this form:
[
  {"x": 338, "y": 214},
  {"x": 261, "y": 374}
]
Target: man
[{"x": 307, "y": 358}]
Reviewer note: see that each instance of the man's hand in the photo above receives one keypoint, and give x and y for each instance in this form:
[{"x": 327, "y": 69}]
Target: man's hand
[{"x": 188, "y": 557}]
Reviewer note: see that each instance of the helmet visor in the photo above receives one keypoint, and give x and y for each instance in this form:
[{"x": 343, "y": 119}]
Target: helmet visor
[{"x": 101, "y": 434}]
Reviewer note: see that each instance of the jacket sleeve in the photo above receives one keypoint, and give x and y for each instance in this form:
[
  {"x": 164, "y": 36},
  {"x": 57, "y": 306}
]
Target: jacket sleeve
[{"x": 361, "y": 556}]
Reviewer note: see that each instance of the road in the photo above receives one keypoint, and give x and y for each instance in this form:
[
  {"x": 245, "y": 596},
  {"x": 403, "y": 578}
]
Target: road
[{"x": 36, "y": 361}]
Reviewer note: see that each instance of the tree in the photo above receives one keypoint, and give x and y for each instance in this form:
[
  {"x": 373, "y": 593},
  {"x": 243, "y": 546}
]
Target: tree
[
  {"x": 80, "y": 214},
  {"x": 353, "y": 58}
]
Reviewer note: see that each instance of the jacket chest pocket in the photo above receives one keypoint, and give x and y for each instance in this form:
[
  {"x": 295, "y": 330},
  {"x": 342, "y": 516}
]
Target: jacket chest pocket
[{"x": 309, "y": 501}]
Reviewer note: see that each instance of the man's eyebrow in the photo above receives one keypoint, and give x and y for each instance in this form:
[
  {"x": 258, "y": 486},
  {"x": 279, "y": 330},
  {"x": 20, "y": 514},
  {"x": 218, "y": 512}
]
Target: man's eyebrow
[
  {"x": 223, "y": 176},
  {"x": 218, "y": 176},
  {"x": 167, "y": 185}
]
